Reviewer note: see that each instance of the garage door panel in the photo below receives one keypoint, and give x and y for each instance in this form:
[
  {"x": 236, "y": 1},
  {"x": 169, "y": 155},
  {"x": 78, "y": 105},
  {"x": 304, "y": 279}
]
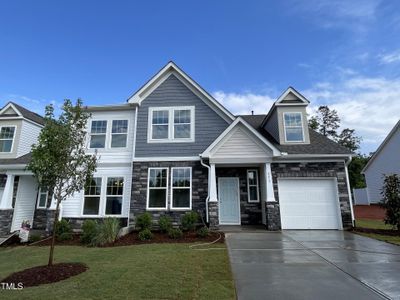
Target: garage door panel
[{"x": 308, "y": 204}]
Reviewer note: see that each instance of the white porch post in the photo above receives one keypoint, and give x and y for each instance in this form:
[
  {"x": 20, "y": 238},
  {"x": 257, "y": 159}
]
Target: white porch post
[
  {"x": 268, "y": 183},
  {"x": 6, "y": 200},
  {"x": 213, "y": 184}
]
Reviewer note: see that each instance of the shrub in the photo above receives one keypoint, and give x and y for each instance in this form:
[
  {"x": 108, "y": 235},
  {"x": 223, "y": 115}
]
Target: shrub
[
  {"x": 391, "y": 200},
  {"x": 107, "y": 232},
  {"x": 63, "y": 230},
  {"x": 144, "y": 221},
  {"x": 175, "y": 233},
  {"x": 89, "y": 231},
  {"x": 165, "y": 223},
  {"x": 203, "y": 232},
  {"x": 145, "y": 235},
  {"x": 34, "y": 238},
  {"x": 189, "y": 220}
]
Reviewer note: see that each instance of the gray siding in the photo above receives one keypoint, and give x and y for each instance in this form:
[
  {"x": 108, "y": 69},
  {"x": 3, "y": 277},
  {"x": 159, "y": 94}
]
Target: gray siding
[
  {"x": 272, "y": 125},
  {"x": 208, "y": 124},
  {"x": 386, "y": 162}
]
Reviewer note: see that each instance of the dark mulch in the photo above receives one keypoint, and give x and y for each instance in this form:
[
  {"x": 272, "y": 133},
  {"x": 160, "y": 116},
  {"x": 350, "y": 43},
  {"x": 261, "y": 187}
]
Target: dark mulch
[
  {"x": 373, "y": 212},
  {"x": 45, "y": 274},
  {"x": 378, "y": 231},
  {"x": 73, "y": 242}
]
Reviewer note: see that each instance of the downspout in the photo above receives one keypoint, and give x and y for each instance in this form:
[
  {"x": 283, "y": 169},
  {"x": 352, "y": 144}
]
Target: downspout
[
  {"x": 349, "y": 189},
  {"x": 133, "y": 156},
  {"x": 208, "y": 185}
]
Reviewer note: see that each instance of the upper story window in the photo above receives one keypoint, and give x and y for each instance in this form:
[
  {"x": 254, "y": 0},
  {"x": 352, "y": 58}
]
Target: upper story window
[
  {"x": 171, "y": 124},
  {"x": 293, "y": 125},
  {"x": 119, "y": 133},
  {"x": 98, "y": 134},
  {"x": 7, "y": 134}
]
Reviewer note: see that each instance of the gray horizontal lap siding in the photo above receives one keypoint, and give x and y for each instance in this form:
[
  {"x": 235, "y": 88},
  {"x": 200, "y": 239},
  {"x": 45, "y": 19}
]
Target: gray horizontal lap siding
[{"x": 208, "y": 124}]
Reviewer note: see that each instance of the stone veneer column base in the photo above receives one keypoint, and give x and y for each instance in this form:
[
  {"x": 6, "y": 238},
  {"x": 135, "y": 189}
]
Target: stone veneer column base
[
  {"x": 213, "y": 215},
  {"x": 50, "y": 213},
  {"x": 6, "y": 216},
  {"x": 273, "y": 216}
]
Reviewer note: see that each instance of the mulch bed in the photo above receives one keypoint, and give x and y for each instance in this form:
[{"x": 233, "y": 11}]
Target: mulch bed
[
  {"x": 378, "y": 231},
  {"x": 45, "y": 274},
  {"x": 132, "y": 239}
]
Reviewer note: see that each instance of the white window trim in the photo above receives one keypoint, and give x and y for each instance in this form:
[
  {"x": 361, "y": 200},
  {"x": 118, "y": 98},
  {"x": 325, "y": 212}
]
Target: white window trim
[
  {"x": 100, "y": 200},
  {"x": 257, "y": 185},
  {"x": 171, "y": 123},
  {"x": 108, "y": 134},
  {"x": 172, "y": 189},
  {"x": 111, "y": 134},
  {"x": 105, "y": 133},
  {"x": 38, "y": 200},
  {"x": 106, "y": 195},
  {"x": 302, "y": 127},
  {"x": 155, "y": 188},
  {"x": 13, "y": 139}
]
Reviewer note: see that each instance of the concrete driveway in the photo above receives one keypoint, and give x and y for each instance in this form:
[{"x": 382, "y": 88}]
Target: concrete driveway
[{"x": 313, "y": 265}]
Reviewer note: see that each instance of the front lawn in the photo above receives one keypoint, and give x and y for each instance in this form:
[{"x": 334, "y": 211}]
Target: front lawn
[
  {"x": 380, "y": 225},
  {"x": 374, "y": 224},
  {"x": 156, "y": 271}
]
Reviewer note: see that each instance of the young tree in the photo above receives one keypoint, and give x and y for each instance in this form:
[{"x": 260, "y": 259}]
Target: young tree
[
  {"x": 391, "y": 199},
  {"x": 59, "y": 161},
  {"x": 326, "y": 121},
  {"x": 348, "y": 139},
  {"x": 357, "y": 180}
]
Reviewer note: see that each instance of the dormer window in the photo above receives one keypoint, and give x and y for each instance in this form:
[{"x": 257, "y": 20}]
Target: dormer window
[
  {"x": 6, "y": 138},
  {"x": 293, "y": 125}
]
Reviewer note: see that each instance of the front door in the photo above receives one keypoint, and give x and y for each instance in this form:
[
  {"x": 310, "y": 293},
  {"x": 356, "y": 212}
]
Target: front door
[{"x": 228, "y": 197}]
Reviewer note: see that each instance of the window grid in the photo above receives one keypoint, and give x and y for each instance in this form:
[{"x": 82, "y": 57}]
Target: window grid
[
  {"x": 114, "y": 195},
  {"x": 119, "y": 133},
  {"x": 181, "y": 179},
  {"x": 252, "y": 185},
  {"x": 92, "y": 193},
  {"x": 157, "y": 181},
  {"x": 7, "y": 138},
  {"x": 293, "y": 125},
  {"x": 98, "y": 134}
]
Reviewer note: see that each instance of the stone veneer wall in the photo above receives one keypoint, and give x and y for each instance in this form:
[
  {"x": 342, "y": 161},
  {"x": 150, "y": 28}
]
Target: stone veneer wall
[
  {"x": 76, "y": 223},
  {"x": 139, "y": 190},
  {"x": 250, "y": 213},
  {"x": 6, "y": 216},
  {"x": 40, "y": 219},
  {"x": 319, "y": 169}
]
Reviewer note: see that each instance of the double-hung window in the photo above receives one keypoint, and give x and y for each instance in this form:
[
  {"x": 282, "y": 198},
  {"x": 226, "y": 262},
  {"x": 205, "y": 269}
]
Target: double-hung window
[
  {"x": 91, "y": 203},
  {"x": 293, "y": 125},
  {"x": 6, "y": 138},
  {"x": 119, "y": 133},
  {"x": 157, "y": 188},
  {"x": 98, "y": 134},
  {"x": 115, "y": 189},
  {"x": 171, "y": 124},
  {"x": 181, "y": 188},
  {"x": 42, "y": 198},
  {"x": 252, "y": 185}
]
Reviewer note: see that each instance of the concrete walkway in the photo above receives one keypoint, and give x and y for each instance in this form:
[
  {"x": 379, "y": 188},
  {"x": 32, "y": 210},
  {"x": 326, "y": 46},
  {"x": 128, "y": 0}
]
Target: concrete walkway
[{"x": 313, "y": 265}]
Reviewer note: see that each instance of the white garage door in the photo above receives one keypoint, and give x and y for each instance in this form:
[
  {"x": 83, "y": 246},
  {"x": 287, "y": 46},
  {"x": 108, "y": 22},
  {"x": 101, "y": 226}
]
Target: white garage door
[{"x": 309, "y": 204}]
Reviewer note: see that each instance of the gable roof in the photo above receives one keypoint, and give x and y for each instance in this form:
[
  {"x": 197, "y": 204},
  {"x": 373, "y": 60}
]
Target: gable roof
[
  {"x": 22, "y": 112},
  {"x": 21, "y": 160},
  {"x": 381, "y": 146},
  {"x": 163, "y": 74},
  {"x": 282, "y": 99},
  {"x": 319, "y": 144}
]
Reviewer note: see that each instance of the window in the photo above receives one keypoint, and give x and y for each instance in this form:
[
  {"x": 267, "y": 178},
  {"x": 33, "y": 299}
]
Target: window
[
  {"x": 98, "y": 134},
  {"x": 181, "y": 188},
  {"x": 42, "y": 198},
  {"x": 119, "y": 133},
  {"x": 157, "y": 188},
  {"x": 6, "y": 138},
  {"x": 91, "y": 203},
  {"x": 252, "y": 185},
  {"x": 115, "y": 188},
  {"x": 293, "y": 125},
  {"x": 171, "y": 124}
]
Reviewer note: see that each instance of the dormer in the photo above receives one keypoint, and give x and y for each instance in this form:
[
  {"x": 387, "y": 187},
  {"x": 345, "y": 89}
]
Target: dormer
[{"x": 287, "y": 119}]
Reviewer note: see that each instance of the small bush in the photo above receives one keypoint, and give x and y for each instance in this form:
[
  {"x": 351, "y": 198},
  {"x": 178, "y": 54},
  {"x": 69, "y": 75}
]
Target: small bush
[
  {"x": 203, "y": 232},
  {"x": 189, "y": 221},
  {"x": 89, "y": 231},
  {"x": 175, "y": 233},
  {"x": 34, "y": 238},
  {"x": 107, "y": 232},
  {"x": 391, "y": 200},
  {"x": 165, "y": 223},
  {"x": 145, "y": 235},
  {"x": 63, "y": 230},
  {"x": 144, "y": 221}
]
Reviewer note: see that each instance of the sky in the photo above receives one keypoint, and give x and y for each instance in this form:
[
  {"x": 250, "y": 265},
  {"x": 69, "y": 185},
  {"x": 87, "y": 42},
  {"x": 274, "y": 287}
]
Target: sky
[{"x": 344, "y": 54}]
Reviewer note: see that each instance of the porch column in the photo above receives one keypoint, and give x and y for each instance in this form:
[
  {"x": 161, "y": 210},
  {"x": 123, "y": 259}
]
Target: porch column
[
  {"x": 269, "y": 184},
  {"x": 213, "y": 184},
  {"x": 6, "y": 200}
]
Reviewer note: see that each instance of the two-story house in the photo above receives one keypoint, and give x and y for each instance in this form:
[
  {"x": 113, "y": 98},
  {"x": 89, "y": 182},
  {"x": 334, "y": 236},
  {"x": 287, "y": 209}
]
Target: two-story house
[{"x": 173, "y": 148}]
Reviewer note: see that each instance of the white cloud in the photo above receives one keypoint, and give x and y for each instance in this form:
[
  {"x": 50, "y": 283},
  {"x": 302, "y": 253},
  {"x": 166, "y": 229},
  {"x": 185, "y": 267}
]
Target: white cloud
[
  {"x": 369, "y": 105},
  {"x": 389, "y": 58}
]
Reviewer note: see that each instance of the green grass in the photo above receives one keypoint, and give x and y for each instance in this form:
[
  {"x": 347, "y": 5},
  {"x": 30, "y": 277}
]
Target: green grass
[
  {"x": 377, "y": 224},
  {"x": 154, "y": 271}
]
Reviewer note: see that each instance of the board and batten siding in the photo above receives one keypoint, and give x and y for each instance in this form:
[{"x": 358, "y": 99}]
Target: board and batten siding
[
  {"x": 172, "y": 92},
  {"x": 29, "y": 136},
  {"x": 386, "y": 162},
  {"x": 72, "y": 206}
]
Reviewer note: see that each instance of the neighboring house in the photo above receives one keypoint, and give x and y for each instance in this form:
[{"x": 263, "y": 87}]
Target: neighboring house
[
  {"x": 385, "y": 161},
  {"x": 173, "y": 148}
]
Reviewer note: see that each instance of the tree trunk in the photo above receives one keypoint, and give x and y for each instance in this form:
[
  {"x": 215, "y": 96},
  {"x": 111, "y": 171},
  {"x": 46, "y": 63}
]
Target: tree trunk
[{"x": 53, "y": 239}]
